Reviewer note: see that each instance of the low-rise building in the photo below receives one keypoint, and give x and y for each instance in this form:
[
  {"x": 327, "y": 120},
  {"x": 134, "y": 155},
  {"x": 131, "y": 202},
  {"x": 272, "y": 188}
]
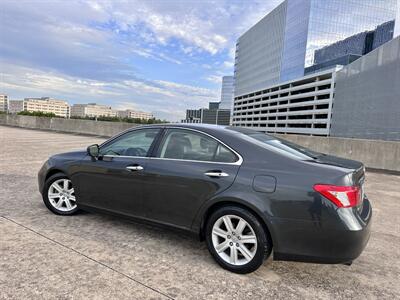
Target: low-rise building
[
  {"x": 92, "y": 110},
  {"x": 15, "y": 106},
  {"x": 47, "y": 105},
  {"x": 3, "y": 103},
  {"x": 135, "y": 114}
]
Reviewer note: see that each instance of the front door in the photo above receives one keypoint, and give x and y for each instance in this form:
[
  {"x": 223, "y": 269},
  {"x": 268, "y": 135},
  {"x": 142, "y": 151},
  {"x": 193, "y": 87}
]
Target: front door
[
  {"x": 115, "y": 181},
  {"x": 190, "y": 167}
]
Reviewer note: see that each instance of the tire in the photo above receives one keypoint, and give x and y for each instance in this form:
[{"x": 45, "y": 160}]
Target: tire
[
  {"x": 59, "y": 196},
  {"x": 227, "y": 249}
]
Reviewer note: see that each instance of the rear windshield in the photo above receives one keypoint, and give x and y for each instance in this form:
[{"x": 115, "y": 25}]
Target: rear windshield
[{"x": 279, "y": 145}]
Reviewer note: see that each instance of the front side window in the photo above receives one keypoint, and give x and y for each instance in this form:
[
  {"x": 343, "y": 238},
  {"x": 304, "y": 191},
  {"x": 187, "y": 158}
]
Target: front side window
[
  {"x": 134, "y": 143},
  {"x": 190, "y": 145}
]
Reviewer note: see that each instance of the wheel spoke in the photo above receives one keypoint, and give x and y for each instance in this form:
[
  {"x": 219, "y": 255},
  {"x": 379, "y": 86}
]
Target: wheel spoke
[
  {"x": 218, "y": 231},
  {"x": 59, "y": 203},
  {"x": 57, "y": 187},
  {"x": 222, "y": 247},
  {"x": 240, "y": 226},
  {"x": 249, "y": 239},
  {"x": 65, "y": 184},
  {"x": 228, "y": 223},
  {"x": 68, "y": 204},
  {"x": 54, "y": 195},
  {"x": 72, "y": 198},
  {"x": 234, "y": 256},
  {"x": 246, "y": 253}
]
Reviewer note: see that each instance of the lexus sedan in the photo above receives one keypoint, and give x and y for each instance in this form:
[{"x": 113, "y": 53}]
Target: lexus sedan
[{"x": 244, "y": 192}]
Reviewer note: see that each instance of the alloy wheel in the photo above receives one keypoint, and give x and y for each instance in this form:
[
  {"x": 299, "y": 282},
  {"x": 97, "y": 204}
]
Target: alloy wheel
[
  {"x": 61, "y": 195},
  {"x": 234, "y": 240}
]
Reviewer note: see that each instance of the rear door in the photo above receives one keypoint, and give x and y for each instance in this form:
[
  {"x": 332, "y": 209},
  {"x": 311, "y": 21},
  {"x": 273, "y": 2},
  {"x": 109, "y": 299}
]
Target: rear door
[{"x": 189, "y": 168}]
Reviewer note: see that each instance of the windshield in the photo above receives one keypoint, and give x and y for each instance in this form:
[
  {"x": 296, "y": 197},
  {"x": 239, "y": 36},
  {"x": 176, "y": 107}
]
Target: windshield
[{"x": 279, "y": 145}]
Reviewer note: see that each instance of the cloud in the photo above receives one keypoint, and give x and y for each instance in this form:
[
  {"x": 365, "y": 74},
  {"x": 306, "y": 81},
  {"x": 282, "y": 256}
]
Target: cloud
[
  {"x": 160, "y": 56},
  {"x": 214, "y": 78},
  {"x": 165, "y": 99}
]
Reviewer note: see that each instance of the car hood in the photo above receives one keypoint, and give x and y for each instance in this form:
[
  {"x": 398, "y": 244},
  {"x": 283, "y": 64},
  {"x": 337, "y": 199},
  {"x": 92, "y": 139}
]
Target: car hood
[{"x": 73, "y": 155}]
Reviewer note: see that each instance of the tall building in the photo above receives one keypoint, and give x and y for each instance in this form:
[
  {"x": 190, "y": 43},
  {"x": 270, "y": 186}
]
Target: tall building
[
  {"x": 134, "y": 114},
  {"x": 367, "y": 96},
  {"x": 360, "y": 100},
  {"x": 227, "y": 93},
  {"x": 3, "y": 103},
  {"x": 47, "y": 105},
  {"x": 92, "y": 110},
  {"x": 282, "y": 44},
  {"x": 211, "y": 115}
]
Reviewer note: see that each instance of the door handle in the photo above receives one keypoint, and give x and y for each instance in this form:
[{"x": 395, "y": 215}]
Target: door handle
[
  {"x": 134, "y": 168},
  {"x": 216, "y": 174}
]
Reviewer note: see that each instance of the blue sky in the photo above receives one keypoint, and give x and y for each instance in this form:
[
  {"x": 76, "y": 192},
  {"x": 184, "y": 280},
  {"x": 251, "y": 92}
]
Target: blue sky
[{"x": 161, "y": 56}]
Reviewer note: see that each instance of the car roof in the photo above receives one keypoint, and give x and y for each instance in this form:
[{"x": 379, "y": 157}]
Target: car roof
[{"x": 207, "y": 128}]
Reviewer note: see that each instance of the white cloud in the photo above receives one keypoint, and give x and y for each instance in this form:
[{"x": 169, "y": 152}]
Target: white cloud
[
  {"x": 165, "y": 99},
  {"x": 214, "y": 78}
]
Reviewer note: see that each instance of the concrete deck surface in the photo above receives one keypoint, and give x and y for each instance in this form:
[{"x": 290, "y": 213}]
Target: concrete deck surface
[{"x": 92, "y": 256}]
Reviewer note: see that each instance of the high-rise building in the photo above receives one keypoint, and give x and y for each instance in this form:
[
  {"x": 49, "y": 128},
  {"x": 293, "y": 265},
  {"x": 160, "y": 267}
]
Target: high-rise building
[
  {"x": 211, "y": 115},
  {"x": 227, "y": 93},
  {"x": 134, "y": 114},
  {"x": 47, "y": 105},
  {"x": 92, "y": 110},
  {"x": 360, "y": 100},
  {"x": 282, "y": 44},
  {"x": 3, "y": 103}
]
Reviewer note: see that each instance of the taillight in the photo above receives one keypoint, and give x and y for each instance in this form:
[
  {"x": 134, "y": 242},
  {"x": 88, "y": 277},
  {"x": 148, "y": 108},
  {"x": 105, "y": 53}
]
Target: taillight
[{"x": 341, "y": 196}]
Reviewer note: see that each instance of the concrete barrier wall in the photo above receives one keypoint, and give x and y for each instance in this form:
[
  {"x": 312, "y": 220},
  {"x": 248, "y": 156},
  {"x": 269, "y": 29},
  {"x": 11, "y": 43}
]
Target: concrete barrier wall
[
  {"x": 375, "y": 154},
  {"x": 66, "y": 125}
]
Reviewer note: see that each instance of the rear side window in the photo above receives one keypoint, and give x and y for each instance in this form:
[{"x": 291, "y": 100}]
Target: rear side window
[{"x": 190, "y": 145}]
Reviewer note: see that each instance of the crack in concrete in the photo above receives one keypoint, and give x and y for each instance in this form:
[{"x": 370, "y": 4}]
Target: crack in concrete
[{"x": 87, "y": 257}]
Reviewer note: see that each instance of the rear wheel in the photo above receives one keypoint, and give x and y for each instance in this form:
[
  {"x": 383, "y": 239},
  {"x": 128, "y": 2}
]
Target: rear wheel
[
  {"x": 237, "y": 240},
  {"x": 59, "y": 195}
]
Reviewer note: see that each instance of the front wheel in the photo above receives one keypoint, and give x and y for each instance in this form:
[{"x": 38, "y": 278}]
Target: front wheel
[
  {"x": 59, "y": 195},
  {"x": 237, "y": 240}
]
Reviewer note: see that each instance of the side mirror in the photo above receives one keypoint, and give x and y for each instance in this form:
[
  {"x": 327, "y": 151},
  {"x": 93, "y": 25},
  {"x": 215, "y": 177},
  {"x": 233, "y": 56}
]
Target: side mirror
[{"x": 93, "y": 150}]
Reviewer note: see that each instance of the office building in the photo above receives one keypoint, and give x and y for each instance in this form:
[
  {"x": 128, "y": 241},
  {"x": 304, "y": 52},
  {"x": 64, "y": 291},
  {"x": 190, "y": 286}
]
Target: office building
[
  {"x": 3, "y": 103},
  {"x": 47, "y": 105},
  {"x": 350, "y": 49},
  {"x": 227, "y": 93},
  {"x": 282, "y": 44},
  {"x": 92, "y": 110},
  {"x": 135, "y": 114},
  {"x": 211, "y": 115},
  {"x": 15, "y": 106},
  {"x": 360, "y": 100},
  {"x": 367, "y": 96}
]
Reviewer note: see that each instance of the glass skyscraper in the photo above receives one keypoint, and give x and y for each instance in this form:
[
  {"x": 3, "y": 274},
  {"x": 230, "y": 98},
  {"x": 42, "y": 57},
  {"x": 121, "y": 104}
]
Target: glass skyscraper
[{"x": 280, "y": 46}]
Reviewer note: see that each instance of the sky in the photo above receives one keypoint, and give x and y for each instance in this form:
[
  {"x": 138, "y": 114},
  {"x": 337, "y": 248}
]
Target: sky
[{"x": 161, "y": 56}]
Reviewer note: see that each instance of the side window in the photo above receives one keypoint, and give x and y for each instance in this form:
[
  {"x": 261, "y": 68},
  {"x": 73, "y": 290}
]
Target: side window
[
  {"x": 134, "y": 143},
  {"x": 190, "y": 145}
]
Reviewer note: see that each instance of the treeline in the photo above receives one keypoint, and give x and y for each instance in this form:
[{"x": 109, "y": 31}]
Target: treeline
[
  {"x": 126, "y": 120},
  {"x": 102, "y": 118},
  {"x": 37, "y": 114}
]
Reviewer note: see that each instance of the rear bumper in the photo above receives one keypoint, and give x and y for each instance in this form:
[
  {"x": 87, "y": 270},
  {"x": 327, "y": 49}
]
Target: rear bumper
[{"x": 314, "y": 242}]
